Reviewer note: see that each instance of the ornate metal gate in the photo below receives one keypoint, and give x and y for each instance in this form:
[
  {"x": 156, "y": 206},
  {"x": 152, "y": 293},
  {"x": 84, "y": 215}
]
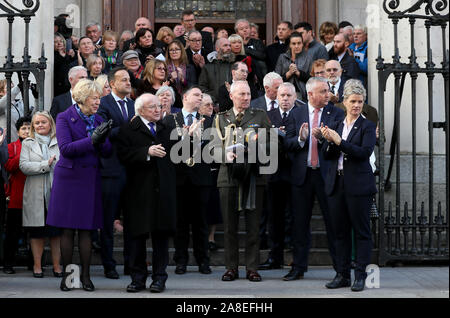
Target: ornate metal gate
[
  {"x": 406, "y": 232},
  {"x": 24, "y": 68}
]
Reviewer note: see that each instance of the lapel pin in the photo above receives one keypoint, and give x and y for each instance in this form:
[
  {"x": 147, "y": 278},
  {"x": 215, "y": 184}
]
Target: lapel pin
[
  {"x": 72, "y": 119},
  {"x": 355, "y": 127}
]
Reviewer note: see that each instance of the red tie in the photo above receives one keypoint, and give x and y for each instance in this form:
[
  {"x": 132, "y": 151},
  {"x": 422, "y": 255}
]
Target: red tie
[{"x": 314, "y": 152}]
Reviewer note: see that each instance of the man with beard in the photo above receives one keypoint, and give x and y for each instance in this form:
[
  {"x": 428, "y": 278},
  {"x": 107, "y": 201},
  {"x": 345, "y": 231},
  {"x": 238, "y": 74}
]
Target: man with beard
[
  {"x": 218, "y": 72},
  {"x": 341, "y": 53},
  {"x": 333, "y": 73}
]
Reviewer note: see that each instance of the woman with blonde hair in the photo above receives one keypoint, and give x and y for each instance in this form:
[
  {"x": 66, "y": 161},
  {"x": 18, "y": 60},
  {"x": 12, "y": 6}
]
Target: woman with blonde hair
[
  {"x": 327, "y": 31},
  {"x": 38, "y": 158},
  {"x": 154, "y": 77},
  {"x": 164, "y": 37},
  {"x": 95, "y": 65},
  {"x": 76, "y": 199},
  {"x": 102, "y": 80}
]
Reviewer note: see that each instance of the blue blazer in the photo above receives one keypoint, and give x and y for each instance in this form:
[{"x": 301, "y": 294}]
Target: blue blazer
[
  {"x": 299, "y": 155},
  {"x": 358, "y": 175},
  {"x": 111, "y": 167}
]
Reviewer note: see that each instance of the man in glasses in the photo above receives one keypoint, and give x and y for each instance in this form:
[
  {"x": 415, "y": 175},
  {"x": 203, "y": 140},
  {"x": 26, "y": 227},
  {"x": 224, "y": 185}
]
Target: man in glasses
[
  {"x": 197, "y": 55},
  {"x": 333, "y": 73},
  {"x": 188, "y": 20}
]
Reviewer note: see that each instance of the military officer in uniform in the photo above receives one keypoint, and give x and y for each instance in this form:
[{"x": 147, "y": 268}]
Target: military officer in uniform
[{"x": 235, "y": 137}]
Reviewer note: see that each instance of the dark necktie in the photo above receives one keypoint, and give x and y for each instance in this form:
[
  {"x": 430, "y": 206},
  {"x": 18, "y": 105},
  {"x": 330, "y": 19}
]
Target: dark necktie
[
  {"x": 124, "y": 111},
  {"x": 152, "y": 128},
  {"x": 284, "y": 119},
  {"x": 239, "y": 117},
  {"x": 272, "y": 105},
  {"x": 190, "y": 119},
  {"x": 332, "y": 89}
]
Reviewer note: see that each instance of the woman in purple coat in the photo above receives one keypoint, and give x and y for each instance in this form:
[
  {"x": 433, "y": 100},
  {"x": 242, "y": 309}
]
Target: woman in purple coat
[{"x": 75, "y": 201}]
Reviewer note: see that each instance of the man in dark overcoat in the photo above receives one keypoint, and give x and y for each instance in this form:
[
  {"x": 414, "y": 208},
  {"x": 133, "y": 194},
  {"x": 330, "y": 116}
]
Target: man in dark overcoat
[{"x": 150, "y": 195}]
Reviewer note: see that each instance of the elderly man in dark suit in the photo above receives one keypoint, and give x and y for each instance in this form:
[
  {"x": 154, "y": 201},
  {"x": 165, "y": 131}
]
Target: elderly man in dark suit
[
  {"x": 188, "y": 20},
  {"x": 62, "y": 102},
  {"x": 240, "y": 184},
  {"x": 194, "y": 183},
  {"x": 197, "y": 55},
  {"x": 333, "y": 72},
  {"x": 143, "y": 147},
  {"x": 118, "y": 107},
  {"x": 279, "y": 186},
  {"x": 269, "y": 100},
  {"x": 308, "y": 172}
]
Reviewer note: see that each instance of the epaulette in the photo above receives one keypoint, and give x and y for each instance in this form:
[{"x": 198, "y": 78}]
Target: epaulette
[{"x": 221, "y": 113}]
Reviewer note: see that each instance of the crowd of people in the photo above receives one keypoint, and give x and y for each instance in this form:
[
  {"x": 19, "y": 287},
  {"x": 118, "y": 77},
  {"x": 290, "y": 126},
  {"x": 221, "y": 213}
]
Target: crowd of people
[{"x": 100, "y": 159}]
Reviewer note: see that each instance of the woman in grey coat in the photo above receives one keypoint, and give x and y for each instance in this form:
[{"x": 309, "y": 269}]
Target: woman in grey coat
[
  {"x": 295, "y": 65},
  {"x": 38, "y": 157}
]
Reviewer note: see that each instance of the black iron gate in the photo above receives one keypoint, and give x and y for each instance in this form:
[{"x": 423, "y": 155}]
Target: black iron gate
[
  {"x": 412, "y": 231},
  {"x": 26, "y": 67}
]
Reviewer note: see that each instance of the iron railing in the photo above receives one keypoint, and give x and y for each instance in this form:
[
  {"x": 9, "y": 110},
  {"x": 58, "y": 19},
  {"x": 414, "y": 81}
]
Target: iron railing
[{"x": 410, "y": 234}]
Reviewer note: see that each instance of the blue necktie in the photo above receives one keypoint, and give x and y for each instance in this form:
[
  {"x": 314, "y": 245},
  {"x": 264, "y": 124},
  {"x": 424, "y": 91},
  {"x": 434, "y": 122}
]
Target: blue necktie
[
  {"x": 190, "y": 120},
  {"x": 152, "y": 128},
  {"x": 124, "y": 111}
]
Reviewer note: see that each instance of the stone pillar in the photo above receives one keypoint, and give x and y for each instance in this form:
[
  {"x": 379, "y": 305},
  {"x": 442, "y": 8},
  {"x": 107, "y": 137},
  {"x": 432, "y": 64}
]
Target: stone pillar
[
  {"x": 41, "y": 31},
  {"x": 327, "y": 11}
]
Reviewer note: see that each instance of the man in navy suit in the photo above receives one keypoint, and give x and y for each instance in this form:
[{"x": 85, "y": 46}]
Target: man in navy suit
[
  {"x": 279, "y": 186},
  {"x": 269, "y": 101},
  {"x": 189, "y": 21},
  {"x": 333, "y": 71},
  {"x": 118, "y": 107},
  {"x": 197, "y": 55},
  {"x": 303, "y": 141},
  {"x": 341, "y": 53},
  {"x": 61, "y": 102}
]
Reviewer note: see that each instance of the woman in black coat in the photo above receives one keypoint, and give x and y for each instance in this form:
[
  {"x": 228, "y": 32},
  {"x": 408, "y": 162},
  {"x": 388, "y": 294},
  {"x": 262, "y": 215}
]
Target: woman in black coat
[
  {"x": 150, "y": 195},
  {"x": 145, "y": 45}
]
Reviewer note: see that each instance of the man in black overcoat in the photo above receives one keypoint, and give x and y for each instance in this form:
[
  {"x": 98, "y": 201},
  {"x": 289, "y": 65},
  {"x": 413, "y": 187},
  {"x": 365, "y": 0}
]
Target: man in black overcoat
[{"x": 150, "y": 196}]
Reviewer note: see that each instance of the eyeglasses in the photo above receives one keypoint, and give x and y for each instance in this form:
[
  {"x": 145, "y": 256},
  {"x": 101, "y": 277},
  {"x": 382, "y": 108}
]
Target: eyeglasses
[
  {"x": 332, "y": 70},
  {"x": 162, "y": 69},
  {"x": 174, "y": 50},
  {"x": 153, "y": 107},
  {"x": 319, "y": 73},
  {"x": 195, "y": 41}
]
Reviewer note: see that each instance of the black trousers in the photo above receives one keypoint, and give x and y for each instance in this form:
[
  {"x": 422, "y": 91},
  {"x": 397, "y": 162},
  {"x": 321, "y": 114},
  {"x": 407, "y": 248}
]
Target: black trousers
[
  {"x": 192, "y": 209},
  {"x": 13, "y": 232},
  {"x": 279, "y": 195},
  {"x": 112, "y": 189},
  {"x": 302, "y": 205},
  {"x": 351, "y": 212},
  {"x": 138, "y": 257}
]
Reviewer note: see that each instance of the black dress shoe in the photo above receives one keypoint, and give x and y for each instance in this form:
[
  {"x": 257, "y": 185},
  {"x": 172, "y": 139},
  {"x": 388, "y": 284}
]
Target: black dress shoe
[
  {"x": 230, "y": 275},
  {"x": 180, "y": 269},
  {"x": 38, "y": 275},
  {"x": 358, "y": 285},
  {"x": 135, "y": 288},
  {"x": 88, "y": 286},
  {"x": 63, "y": 285},
  {"x": 270, "y": 264},
  {"x": 253, "y": 276},
  {"x": 339, "y": 281},
  {"x": 212, "y": 246},
  {"x": 157, "y": 286},
  {"x": 8, "y": 270},
  {"x": 58, "y": 274},
  {"x": 112, "y": 274},
  {"x": 126, "y": 270},
  {"x": 96, "y": 247},
  {"x": 294, "y": 274},
  {"x": 204, "y": 269}
]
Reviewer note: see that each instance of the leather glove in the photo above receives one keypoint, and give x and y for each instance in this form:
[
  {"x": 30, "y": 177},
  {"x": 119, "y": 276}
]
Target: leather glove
[{"x": 101, "y": 133}]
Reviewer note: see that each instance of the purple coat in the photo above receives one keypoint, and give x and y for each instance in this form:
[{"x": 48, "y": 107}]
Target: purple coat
[{"x": 76, "y": 200}]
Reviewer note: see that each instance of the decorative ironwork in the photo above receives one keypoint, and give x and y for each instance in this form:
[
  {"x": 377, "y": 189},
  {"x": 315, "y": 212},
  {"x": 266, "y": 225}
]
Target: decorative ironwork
[
  {"x": 231, "y": 9},
  {"x": 398, "y": 236},
  {"x": 26, "y": 67}
]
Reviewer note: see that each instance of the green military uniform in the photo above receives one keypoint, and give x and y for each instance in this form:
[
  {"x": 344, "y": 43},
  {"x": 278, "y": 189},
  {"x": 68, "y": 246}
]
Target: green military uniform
[{"x": 231, "y": 189}]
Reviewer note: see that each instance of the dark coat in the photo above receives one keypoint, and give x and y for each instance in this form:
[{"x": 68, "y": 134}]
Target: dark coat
[
  {"x": 350, "y": 68},
  {"x": 150, "y": 193},
  {"x": 213, "y": 76},
  {"x": 200, "y": 173},
  {"x": 358, "y": 174},
  {"x": 109, "y": 109},
  {"x": 60, "y": 103},
  {"x": 299, "y": 155},
  {"x": 273, "y": 52},
  {"x": 197, "y": 68},
  {"x": 207, "y": 42},
  {"x": 61, "y": 70}
]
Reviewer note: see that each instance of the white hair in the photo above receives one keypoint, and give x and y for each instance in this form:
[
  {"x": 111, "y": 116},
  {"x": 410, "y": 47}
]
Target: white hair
[
  {"x": 74, "y": 70},
  {"x": 235, "y": 84},
  {"x": 354, "y": 87},
  {"x": 313, "y": 81},
  {"x": 239, "y": 22},
  {"x": 141, "y": 100},
  {"x": 270, "y": 77},
  {"x": 163, "y": 89},
  {"x": 288, "y": 85},
  {"x": 361, "y": 27},
  {"x": 94, "y": 24}
]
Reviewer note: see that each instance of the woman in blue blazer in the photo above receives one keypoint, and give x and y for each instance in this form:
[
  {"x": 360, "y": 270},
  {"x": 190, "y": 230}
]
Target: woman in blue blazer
[{"x": 350, "y": 186}]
